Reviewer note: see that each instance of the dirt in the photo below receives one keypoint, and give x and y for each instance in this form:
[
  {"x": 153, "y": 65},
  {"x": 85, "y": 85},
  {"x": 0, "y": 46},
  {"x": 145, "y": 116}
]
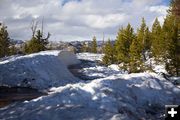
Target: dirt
[{"x": 10, "y": 95}]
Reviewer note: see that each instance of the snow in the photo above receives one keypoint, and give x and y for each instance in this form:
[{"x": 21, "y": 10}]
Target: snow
[
  {"x": 93, "y": 70},
  {"x": 158, "y": 68},
  {"x": 90, "y": 56},
  {"x": 111, "y": 94},
  {"x": 40, "y": 70},
  {"x": 99, "y": 71},
  {"x": 130, "y": 98},
  {"x": 114, "y": 67}
]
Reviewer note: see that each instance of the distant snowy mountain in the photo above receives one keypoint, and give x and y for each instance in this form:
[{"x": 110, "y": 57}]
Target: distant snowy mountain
[
  {"x": 14, "y": 42},
  {"x": 77, "y": 45}
]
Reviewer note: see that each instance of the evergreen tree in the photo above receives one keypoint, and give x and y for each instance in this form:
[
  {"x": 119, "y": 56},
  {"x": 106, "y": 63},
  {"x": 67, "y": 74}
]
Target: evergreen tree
[
  {"x": 13, "y": 50},
  {"x": 171, "y": 29},
  {"x": 143, "y": 36},
  {"x": 94, "y": 45},
  {"x": 84, "y": 47},
  {"x": 121, "y": 51},
  {"x": 175, "y": 7},
  {"x": 139, "y": 46},
  {"x": 148, "y": 41},
  {"x": 122, "y": 45},
  {"x": 37, "y": 43},
  {"x": 158, "y": 48},
  {"x": 136, "y": 56},
  {"x": 25, "y": 48},
  {"x": 4, "y": 41},
  {"x": 109, "y": 57},
  {"x": 33, "y": 46},
  {"x": 43, "y": 41}
]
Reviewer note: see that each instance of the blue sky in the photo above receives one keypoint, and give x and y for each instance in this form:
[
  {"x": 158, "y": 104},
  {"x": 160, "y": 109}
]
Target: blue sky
[
  {"x": 66, "y": 1},
  {"x": 166, "y": 2},
  {"x": 79, "y": 19}
]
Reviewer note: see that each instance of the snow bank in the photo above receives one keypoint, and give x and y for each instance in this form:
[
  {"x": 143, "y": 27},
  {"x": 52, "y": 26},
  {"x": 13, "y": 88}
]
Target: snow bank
[
  {"x": 116, "y": 96},
  {"x": 134, "y": 97},
  {"x": 40, "y": 70},
  {"x": 93, "y": 72},
  {"x": 158, "y": 68}
]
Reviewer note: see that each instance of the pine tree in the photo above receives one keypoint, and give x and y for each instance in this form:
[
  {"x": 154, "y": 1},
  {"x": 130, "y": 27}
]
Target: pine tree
[
  {"x": 143, "y": 36},
  {"x": 171, "y": 29},
  {"x": 121, "y": 51},
  {"x": 13, "y": 50},
  {"x": 84, "y": 47},
  {"x": 148, "y": 41},
  {"x": 175, "y": 7},
  {"x": 25, "y": 48},
  {"x": 136, "y": 56},
  {"x": 43, "y": 41},
  {"x": 94, "y": 45},
  {"x": 33, "y": 46},
  {"x": 138, "y": 48},
  {"x": 109, "y": 57},
  {"x": 122, "y": 45},
  {"x": 37, "y": 43},
  {"x": 4, "y": 41},
  {"x": 158, "y": 47}
]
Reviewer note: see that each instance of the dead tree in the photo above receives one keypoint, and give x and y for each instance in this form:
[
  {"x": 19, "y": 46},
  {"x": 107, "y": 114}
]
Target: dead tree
[{"x": 34, "y": 25}]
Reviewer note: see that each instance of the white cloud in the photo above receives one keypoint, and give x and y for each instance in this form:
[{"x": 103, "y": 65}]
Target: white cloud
[
  {"x": 159, "y": 9},
  {"x": 79, "y": 18},
  {"x": 102, "y": 22},
  {"x": 161, "y": 12}
]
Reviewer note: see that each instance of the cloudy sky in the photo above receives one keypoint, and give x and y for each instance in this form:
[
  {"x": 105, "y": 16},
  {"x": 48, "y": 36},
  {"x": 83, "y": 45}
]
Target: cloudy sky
[{"x": 78, "y": 19}]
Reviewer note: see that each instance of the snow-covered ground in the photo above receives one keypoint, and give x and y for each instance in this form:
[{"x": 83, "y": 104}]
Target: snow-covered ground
[
  {"x": 40, "y": 70},
  {"x": 90, "y": 56},
  {"x": 158, "y": 68},
  {"x": 112, "y": 94},
  {"x": 93, "y": 70}
]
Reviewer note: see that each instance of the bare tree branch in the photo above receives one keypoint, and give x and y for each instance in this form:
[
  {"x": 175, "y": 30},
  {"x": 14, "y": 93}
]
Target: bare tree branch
[{"x": 34, "y": 25}]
